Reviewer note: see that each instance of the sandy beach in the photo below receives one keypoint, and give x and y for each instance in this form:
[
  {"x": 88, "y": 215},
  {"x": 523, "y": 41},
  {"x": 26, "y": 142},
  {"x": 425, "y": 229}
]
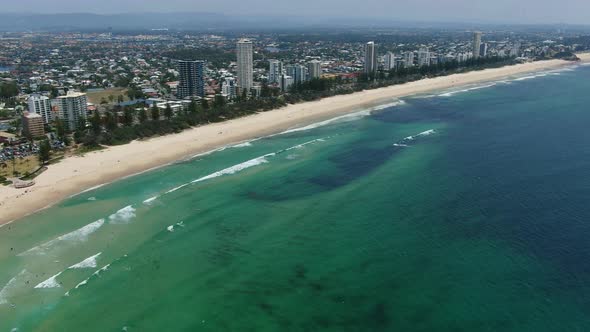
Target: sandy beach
[{"x": 76, "y": 174}]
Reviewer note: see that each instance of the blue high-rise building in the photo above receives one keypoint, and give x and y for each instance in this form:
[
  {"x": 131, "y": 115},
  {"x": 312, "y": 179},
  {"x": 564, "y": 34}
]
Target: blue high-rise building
[{"x": 192, "y": 82}]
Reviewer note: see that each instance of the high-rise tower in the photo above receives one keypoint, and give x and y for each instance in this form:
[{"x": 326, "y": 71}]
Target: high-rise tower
[
  {"x": 245, "y": 64},
  {"x": 191, "y": 81},
  {"x": 370, "y": 58},
  {"x": 476, "y": 44}
]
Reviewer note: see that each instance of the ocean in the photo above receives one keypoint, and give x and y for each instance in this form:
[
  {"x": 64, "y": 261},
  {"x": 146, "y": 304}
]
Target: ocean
[{"x": 463, "y": 210}]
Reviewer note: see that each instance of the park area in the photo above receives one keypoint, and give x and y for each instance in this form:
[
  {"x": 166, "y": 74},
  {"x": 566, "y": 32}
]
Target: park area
[{"x": 108, "y": 95}]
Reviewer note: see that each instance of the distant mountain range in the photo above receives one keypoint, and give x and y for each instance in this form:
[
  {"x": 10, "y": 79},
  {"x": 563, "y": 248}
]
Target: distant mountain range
[
  {"x": 195, "y": 21},
  {"x": 173, "y": 21},
  {"x": 129, "y": 21}
]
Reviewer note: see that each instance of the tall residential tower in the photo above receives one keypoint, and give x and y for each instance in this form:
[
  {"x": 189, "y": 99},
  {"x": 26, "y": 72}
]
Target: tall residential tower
[
  {"x": 245, "y": 64},
  {"x": 476, "y": 44},
  {"x": 370, "y": 58},
  {"x": 40, "y": 105},
  {"x": 275, "y": 71},
  {"x": 389, "y": 60},
  {"x": 298, "y": 72},
  {"x": 71, "y": 108},
  {"x": 314, "y": 69},
  {"x": 191, "y": 83}
]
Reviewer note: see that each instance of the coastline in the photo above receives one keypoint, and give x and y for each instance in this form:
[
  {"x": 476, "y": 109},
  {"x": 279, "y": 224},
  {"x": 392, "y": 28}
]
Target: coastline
[{"x": 78, "y": 174}]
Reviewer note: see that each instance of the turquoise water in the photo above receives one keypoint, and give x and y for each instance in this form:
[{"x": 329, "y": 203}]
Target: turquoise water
[{"x": 461, "y": 211}]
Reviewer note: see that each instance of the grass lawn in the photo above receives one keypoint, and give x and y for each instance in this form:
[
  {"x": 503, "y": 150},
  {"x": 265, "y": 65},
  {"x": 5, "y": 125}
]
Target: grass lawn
[
  {"x": 28, "y": 164},
  {"x": 96, "y": 96}
]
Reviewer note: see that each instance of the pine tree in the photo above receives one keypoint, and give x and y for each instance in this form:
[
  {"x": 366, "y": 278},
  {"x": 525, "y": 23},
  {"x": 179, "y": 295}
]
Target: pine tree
[
  {"x": 44, "y": 152},
  {"x": 168, "y": 112},
  {"x": 143, "y": 115},
  {"x": 155, "y": 112}
]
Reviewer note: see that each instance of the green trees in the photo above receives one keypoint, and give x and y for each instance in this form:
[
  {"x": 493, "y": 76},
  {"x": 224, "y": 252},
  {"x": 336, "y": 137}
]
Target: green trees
[
  {"x": 197, "y": 113},
  {"x": 8, "y": 90},
  {"x": 122, "y": 81},
  {"x": 155, "y": 112},
  {"x": 60, "y": 129},
  {"x": 218, "y": 102},
  {"x": 44, "y": 152},
  {"x": 110, "y": 121},
  {"x": 128, "y": 116},
  {"x": 134, "y": 93},
  {"x": 168, "y": 112},
  {"x": 143, "y": 116},
  {"x": 95, "y": 123}
]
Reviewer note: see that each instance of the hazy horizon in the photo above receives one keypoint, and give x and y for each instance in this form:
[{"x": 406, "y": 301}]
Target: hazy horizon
[{"x": 498, "y": 11}]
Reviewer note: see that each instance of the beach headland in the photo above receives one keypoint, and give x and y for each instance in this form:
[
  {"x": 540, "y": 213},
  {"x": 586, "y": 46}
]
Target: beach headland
[{"x": 76, "y": 174}]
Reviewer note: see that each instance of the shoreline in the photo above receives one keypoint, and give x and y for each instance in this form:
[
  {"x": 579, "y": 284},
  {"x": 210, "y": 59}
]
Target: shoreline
[{"x": 78, "y": 174}]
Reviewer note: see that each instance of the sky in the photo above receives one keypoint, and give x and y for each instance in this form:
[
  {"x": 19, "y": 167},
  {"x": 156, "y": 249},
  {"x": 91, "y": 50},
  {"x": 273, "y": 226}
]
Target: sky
[{"x": 488, "y": 11}]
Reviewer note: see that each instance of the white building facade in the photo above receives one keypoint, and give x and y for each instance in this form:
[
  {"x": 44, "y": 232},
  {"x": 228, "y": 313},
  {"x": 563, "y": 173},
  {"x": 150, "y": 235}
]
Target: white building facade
[{"x": 41, "y": 105}]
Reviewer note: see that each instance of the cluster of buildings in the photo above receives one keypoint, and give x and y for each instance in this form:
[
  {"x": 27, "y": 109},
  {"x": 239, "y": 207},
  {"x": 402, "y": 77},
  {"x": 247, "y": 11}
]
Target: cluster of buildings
[
  {"x": 192, "y": 80},
  {"x": 70, "y": 108},
  {"x": 49, "y": 67},
  {"x": 284, "y": 76},
  {"x": 425, "y": 57}
]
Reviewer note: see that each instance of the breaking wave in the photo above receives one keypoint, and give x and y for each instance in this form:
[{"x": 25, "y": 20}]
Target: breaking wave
[
  {"x": 151, "y": 199},
  {"x": 404, "y": 142},
  {"x": 479, "y": 87},
  {"x": 122, "y": 216},
  {"x": 78, "y": 235},
  {"x": 85, "y": 281},
  {"x": 9, "y": 286},
  {"x": 345, "y": 118},
  {"x": 50, "y": 283},
  {"x": 530, "y": 77},
  {"x": 242, "y": 145},
  {"x": 236, "y": 168},
  {"x": 424, "y": 133},
  {"x": 89, "y": 262},
  {"x": 177, "y": 188}
]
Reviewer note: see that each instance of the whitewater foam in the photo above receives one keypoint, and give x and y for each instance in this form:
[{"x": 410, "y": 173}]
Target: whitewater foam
[
  {"x": 50, "y": 283},
  {"x": 299, "y": 146},
  {"x": 242, "y": 145},
  {"x": 85, "y": 281},
  {"x": 82, "y": 283},
  {"x": 79, "y": 235},
  {"x": 530, "y": 77},
  {"x": 424, "y": 133},
  {"x": 89, "y": 262},
  {"x": 149, "y": 200},
  {"x": 102, "y": 269},
  {"x": 236, "y": 168},
  {"x": 479, "y": 87},
  {"x": 385, "y": 106},
  {"x": 10, "y": 285},
  {"x": 343, "y": 118},
  {"x": 346, "y": 117},
  {"x": 177, "y": 188},
  {"x": 122, "y": 216}
]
